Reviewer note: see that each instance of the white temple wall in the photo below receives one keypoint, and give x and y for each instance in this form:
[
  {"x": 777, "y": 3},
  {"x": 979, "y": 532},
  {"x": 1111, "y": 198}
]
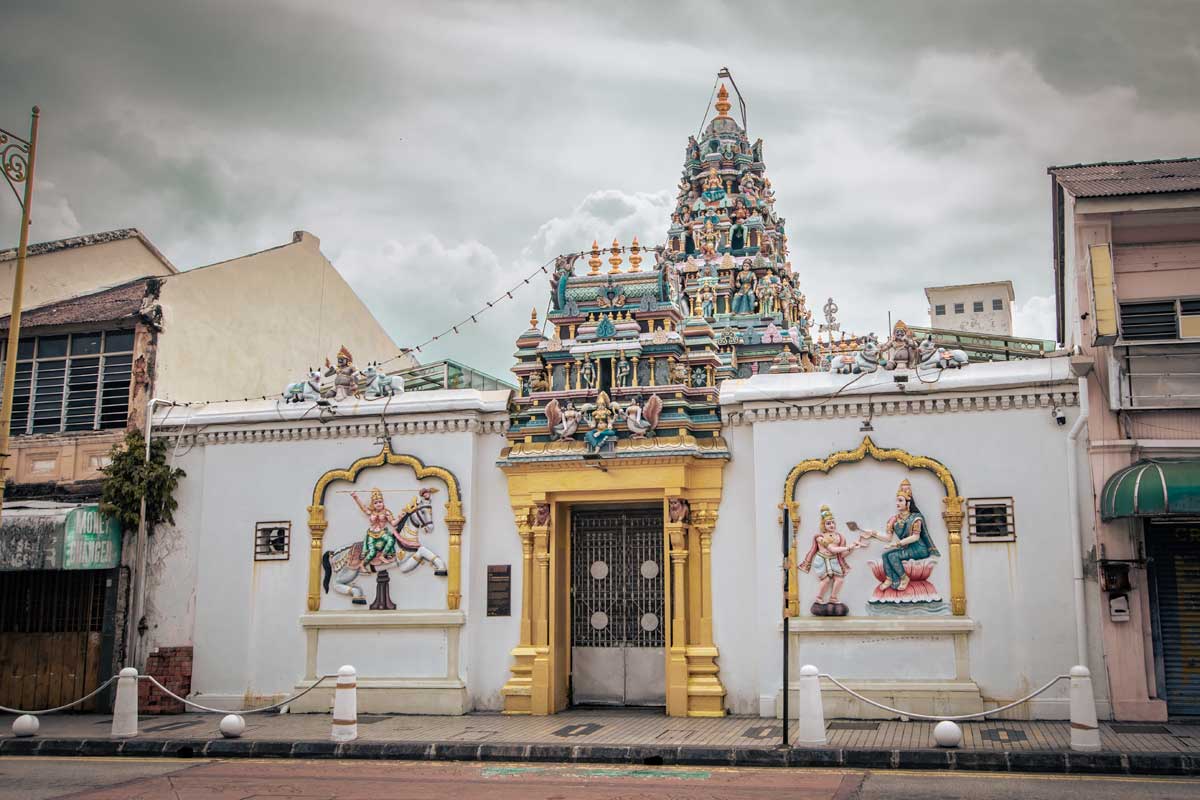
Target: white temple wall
[
  {"x": 243, "y": 616},
  {"x": 1019, "y": 594},
  {"x": 737, "y": 566}
]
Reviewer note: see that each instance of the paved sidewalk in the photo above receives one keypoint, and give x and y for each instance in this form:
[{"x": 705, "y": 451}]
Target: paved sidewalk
[{"x": 639, "y": 736}]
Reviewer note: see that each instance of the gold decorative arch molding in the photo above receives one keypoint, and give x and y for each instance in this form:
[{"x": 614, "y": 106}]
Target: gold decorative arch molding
[
  {"x": 454, "y": 518},
  {"x": 952, "y": 511}
]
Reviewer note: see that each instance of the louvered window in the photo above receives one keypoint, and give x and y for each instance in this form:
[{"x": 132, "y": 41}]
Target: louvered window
[
  {"x": 1149, "y": 321},
  {"x": 72, "y": 382}
]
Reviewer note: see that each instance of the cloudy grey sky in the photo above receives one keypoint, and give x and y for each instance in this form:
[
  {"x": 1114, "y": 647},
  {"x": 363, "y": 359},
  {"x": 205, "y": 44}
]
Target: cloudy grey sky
[{"x": 443, "y": 150}]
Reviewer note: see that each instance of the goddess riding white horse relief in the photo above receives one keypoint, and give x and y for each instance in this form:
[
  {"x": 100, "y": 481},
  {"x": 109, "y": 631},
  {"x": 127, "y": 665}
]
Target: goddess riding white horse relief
[{"x": 392, "y": 541}]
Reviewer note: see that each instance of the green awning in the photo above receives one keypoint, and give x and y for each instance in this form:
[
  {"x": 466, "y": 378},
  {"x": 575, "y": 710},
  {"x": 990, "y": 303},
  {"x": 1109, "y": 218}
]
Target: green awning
[{"x": 1153, "y": 488}]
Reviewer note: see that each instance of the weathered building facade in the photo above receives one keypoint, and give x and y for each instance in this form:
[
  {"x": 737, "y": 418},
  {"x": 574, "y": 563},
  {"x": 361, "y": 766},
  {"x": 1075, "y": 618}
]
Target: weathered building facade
[
  {"x": 1127, "y": 265},
  {"x": 108, "y": 325}
]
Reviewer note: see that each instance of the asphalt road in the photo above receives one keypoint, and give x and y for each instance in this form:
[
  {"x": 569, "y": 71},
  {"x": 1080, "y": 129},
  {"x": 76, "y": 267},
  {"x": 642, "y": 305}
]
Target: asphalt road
[{"x": 37, "y": 778}]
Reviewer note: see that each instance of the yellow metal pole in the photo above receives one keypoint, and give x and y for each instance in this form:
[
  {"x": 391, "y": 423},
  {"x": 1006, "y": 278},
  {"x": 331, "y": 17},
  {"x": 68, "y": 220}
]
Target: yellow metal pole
[{"x": 14, "y": 322}]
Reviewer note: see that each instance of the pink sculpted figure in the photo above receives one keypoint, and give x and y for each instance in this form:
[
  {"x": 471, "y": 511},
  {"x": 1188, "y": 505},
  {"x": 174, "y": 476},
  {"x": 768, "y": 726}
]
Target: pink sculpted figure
[{"x": 828, "y": 554}]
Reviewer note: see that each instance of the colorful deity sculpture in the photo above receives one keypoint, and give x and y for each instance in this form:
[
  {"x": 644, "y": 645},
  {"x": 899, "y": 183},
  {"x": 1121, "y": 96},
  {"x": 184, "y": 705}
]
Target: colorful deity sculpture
[
  {"x": 392, "y": 541},
  {"x": 564, "y": 268},
  {"x": 345, "y": 376},
  {"x": 706, "y": 298},
  {"x": 828, "y": 554},
  {"x": 744, "y": 301},
  {"x": 538, "y": 381},
  {"x": 380, "y": 539},
  {"x": 587, "y": 373},
  {"x": 602, "y": 430},
  {"x": 902, "y": 350},
  {"x": 747, "y": 184},
  {"x": 908, "y": 539},
  {"x": 710, "y": 239},
  {"x": 641, "y": 417},
  {"x": 623, "y": 370},
  {"x": 562, "y": 420},
  {"x": 768, "y": 293}
]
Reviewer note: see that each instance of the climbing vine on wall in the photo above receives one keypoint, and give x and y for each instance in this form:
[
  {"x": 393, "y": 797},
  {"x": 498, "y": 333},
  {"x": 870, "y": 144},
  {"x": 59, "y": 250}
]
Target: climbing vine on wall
[{"x": 127, "y": 477}]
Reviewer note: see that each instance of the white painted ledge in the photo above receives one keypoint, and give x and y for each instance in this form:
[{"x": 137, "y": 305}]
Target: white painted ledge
[
  {"x": 853, "y": 626},
  {"x": 383, "y": 619},
  {"x": 1037, "y": 372},
  {"x": 439, "y": 401}
]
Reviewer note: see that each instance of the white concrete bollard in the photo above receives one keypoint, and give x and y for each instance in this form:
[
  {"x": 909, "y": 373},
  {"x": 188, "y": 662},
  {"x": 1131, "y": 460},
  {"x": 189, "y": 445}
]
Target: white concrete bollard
[
  {"x": 232, "y": 726},
  {"x": 811, "y": 728},
  {"x": 1085, "y": 731},
  {"x": 125, "y": 709},
  {"x": 345, "y": 706},
  {"x": 25, "y": 725},
  {"x": 947, "y": 733}
]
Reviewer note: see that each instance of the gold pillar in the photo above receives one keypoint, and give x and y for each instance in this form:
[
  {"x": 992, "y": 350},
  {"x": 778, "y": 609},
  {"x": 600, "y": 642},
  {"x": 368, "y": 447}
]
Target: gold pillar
[
  {"x": 653, "y": 381},
  {"x": 635, "y": 372},
  {"x": 541, "y": 700},
  {"x": 316, "y": 535},
  {"x": 953, "y": 515},
  {"x": 706, "y": 694},
  {"x": 454, "y": 523},
  {"x": 677, "y": 666},
  {"x": 518, "y": 690}
]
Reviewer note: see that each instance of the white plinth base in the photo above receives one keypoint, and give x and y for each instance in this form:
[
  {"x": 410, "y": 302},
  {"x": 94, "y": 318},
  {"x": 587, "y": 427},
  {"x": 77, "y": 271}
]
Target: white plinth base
[
  {"x": 392, "y": 696},
  {"x": 949, "y": 698}
]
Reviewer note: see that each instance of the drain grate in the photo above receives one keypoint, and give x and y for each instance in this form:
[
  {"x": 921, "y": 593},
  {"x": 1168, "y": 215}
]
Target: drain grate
[
  {"x": 853, "y": 726},
  {"x": 1131, "y": 727}
]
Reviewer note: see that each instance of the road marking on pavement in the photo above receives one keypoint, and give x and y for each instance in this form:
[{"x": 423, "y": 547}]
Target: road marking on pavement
[{"x": 682, "y": 773}]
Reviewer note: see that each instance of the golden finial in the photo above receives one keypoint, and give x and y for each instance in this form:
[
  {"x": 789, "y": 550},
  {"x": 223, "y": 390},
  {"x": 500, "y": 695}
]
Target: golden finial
[
  {"x": 723, "y": 105},
  {"x": 533, "y": 319},
  {"x": 615, "y": 260},
  {"x": 635, "y": 256},
  {"x": 594, "y": 261}
]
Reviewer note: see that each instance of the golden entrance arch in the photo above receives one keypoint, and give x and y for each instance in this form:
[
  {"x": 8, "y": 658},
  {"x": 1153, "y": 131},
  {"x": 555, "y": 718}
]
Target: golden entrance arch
[
  {"x": 542, "y": 495},
  {"x": 952, "y": 511}
]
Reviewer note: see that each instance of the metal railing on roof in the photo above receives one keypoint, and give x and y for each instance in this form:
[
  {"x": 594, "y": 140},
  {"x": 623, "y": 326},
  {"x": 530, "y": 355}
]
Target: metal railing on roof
[
  {"x": 987, "y": 346},
  {"x": 449, "y": 374}
]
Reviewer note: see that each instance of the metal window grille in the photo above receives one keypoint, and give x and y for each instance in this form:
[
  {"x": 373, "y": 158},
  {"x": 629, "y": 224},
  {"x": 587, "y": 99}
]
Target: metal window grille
[
  {"x": 958, "y": 308},
  {"x": 997, "y": 305},
  {"x": 72, "y": 382},
  {"x": 52, "y": 601},
  {"x": 978, "y": 306},
  {"x": 272, "y": 541},
  {"x": 939, "y": 311},
  {"x": 990, "y": 519}
]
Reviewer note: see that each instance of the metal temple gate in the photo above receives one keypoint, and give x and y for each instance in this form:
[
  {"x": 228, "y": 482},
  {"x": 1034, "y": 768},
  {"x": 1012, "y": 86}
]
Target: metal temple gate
[{"x": 617, "y": 615}]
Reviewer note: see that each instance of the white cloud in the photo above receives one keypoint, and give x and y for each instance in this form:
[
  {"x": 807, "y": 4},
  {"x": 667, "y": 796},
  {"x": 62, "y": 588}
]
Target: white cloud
[{"x": 1035, "y": 318}]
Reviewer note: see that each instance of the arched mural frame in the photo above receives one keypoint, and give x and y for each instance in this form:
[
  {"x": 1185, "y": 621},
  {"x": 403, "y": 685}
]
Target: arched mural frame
[
  {"x": 952, "y": 511},
  {"x": 454, "y": 518}
]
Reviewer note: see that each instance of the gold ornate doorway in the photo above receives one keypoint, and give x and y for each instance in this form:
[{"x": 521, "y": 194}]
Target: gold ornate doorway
[{"x": 543, "y": 496}]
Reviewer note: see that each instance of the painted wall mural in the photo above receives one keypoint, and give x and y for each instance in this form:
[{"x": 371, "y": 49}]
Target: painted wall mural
[
  {"x": 910, "y": 555},
  {"x": 386, "y": 521},
  {"x": 393, "y": 541}
]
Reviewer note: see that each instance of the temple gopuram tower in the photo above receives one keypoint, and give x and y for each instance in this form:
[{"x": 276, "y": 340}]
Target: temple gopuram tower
[{"x": 616, "y": 459}]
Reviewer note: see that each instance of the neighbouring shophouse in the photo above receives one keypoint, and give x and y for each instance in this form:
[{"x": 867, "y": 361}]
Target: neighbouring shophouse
[
  {"x": 108, "y": 324},
  {"x": 687, "y": 457},
  {"x": 1127, "y": 264}
]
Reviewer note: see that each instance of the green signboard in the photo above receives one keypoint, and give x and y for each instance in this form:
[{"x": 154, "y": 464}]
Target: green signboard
[
  {"x": 59, "y": 537},
  {"x": 91, "y": 540}
]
